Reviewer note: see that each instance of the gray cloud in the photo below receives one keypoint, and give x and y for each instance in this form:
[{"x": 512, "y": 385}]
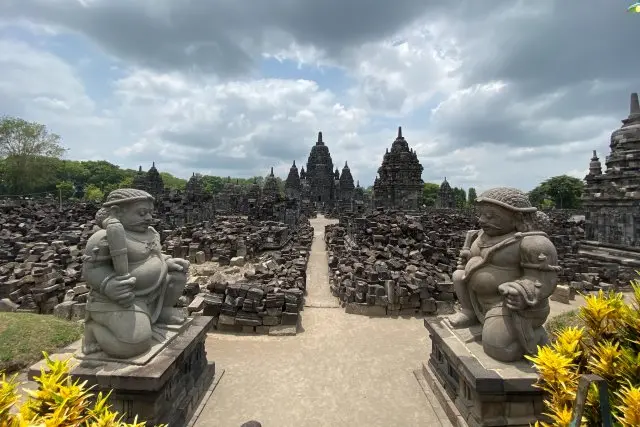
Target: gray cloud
[
  {"x": 543, "y": 82},
  {"x": 218, "y": 35}
]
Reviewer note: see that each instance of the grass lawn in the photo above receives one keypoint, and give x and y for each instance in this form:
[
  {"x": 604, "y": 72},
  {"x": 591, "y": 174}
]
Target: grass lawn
[
  {"x": 561, "y": 321},
  {"x": 24, "y": 336}
]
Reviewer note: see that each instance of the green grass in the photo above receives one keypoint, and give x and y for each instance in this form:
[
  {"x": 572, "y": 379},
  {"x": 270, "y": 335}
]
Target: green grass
[
  {"x": 24, "y": 336},
  {"x": 561, "y": 321}
]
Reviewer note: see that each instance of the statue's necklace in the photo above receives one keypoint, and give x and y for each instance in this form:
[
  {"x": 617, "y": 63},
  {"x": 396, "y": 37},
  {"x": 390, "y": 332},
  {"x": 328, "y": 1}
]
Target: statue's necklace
[{"x": 150, "y": 245}]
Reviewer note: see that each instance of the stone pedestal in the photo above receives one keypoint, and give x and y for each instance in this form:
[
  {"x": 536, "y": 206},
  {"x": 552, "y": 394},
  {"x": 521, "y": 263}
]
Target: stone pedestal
[
  {"x": 166, "y": 389},
  {"x": 474, "y": 389}
]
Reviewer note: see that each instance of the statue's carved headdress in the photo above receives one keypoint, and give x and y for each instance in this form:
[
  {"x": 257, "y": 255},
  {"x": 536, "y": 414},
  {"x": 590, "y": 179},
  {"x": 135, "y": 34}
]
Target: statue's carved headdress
[
  {"x": 508, "y": 198},
  {"x": 515, "y": 201},
  {"x": 119, "y": 197},
  {"x": 126, "y": 195}
]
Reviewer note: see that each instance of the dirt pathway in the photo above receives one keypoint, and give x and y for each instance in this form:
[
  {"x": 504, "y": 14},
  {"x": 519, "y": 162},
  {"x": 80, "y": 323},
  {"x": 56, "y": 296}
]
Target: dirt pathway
[
  {"x": 341, "y": 370},
  {"x": 318, "y": 293}
]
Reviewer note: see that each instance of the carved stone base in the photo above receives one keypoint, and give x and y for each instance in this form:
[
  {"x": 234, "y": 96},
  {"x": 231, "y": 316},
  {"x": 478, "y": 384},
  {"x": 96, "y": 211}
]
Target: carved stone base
[
  {"x": 165, "y": 390},
  {"x": 476, "y": 390}
]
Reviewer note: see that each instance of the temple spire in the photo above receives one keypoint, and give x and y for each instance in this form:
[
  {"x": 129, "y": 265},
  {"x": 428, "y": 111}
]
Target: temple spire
[
  {"x": 271, "y": 174},
  {"x": 319, "y": 139},
  {"x": 399, "y": 132},
  {"x": 346, "y": 165},
  {"x": 294, "y": 163},
  {"x": 634, "y": 108}
]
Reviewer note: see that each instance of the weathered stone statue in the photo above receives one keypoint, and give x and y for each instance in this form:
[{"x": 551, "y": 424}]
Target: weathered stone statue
[
  {"x": 133, "y": 285},
  {"x": 506, "y": 273}
]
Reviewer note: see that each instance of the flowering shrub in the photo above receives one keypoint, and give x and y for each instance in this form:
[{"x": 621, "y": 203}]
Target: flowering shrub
[
  {"x": 58, "y": 402},
  {"x": 608, "y": 345}
]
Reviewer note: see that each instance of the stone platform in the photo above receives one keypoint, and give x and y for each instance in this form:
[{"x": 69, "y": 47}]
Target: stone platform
[
  {"x": 474, "y": 389},
  {"x": 165, "y": 390}
]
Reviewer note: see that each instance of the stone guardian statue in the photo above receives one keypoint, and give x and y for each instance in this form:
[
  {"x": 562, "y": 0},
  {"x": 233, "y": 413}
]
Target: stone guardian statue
[
  {"x": 133, "y": 285},
  {"x": 506, "y": 273}
]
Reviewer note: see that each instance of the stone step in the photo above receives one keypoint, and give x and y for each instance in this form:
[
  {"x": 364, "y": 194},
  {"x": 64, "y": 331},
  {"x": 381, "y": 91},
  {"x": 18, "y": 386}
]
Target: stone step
[{"x": 624, "y": 257}]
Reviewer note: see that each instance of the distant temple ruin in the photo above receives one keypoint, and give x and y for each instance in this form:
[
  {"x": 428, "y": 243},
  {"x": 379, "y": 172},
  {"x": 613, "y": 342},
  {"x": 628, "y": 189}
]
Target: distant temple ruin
[
  {"x": 446, "y": 198},
  {"x": 399, "y": 182},
  {"x": 323, "y": 187}
]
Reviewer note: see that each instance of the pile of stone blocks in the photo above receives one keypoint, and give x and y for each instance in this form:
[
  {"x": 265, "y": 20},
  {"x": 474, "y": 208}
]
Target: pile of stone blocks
[
  {"x": 40, "y": 253},
  {"x": 229, "y": 237},
  {"x": 390, "y": 263}
]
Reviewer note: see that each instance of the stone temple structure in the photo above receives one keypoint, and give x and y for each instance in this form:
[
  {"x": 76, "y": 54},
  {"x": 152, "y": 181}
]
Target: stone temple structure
[
  {"x": 399, "y": 182},
  {"x": 293, "y": 186},
  {"x": 151, "y": 181},
  {"x": 320, "y": 185},
  {"x": 612, "y": 199},
  {"x": 446, "y": 199},
  {"x": 319, "y": 176},
  {"x": 346, "y": 189}
]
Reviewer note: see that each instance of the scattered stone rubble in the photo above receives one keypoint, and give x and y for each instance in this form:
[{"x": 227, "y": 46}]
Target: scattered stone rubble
[
  {"x": 40, "y": 249},
  {"x": 383, "y": 263},
  {"x": 390, "y": 263},
  {"x": 264, "y": 296},
  {"x": 41, "y": 267}
]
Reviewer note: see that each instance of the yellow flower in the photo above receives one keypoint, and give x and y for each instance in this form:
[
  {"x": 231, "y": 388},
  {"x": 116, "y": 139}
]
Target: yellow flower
[
  {"x": 568, "y": 342},
  {"x": 561, "y": 417},
  {"x": 629, "y": 408},
  {"x": 605, "y": 359}
]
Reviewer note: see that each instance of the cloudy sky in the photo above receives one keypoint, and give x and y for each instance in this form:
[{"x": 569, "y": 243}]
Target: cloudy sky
[{"x": 488, "y": 92}]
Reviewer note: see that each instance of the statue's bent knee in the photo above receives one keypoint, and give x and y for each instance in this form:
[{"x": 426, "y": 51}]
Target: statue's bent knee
[{"x": 127, "y": 327}]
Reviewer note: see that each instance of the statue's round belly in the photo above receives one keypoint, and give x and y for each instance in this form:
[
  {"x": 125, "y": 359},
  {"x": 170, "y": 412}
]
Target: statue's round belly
[
  {"x": 485, "y": 281},
  {"x": 147, "y": 272}
]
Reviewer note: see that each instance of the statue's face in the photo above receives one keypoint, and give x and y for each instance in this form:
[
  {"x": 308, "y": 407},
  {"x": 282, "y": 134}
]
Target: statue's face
[
  {"x": 136, "y": 216},
  {"x": 496, "y": 220}
]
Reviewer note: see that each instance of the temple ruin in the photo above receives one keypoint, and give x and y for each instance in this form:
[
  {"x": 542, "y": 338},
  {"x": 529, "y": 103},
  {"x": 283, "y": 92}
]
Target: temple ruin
[
  {"x": 446, "y": 199},
  {"x": 612, "y": 199},
  {"x": 399, "y": 182},
  {"x": 321, "y": 186}
]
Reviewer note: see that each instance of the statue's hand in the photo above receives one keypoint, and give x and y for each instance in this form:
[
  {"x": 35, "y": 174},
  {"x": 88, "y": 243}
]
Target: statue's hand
[
  {"x": 178, "y": 264},
  {"x": 512, "y": 297},
  {"x": 120, "y": 290},
  {"x": 463, "y": 258}
]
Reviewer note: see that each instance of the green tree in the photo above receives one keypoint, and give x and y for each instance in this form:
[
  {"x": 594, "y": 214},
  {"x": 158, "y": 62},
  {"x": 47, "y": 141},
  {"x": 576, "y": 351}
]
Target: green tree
[
  {"x": 471, "y": 196},
  {"x": 173, "y": 182},
  {"x": 460, "y": 197},
  {"x": 104, "y": 174},
  {"x": 28, "y": 150},
  {"x": 93, "y": 193},
  {"x": 213, "y": 184},
  {"x": 563, "y": 191},
  {"x": 65, "y": 189},
  {"x": 430, "y": 193}
]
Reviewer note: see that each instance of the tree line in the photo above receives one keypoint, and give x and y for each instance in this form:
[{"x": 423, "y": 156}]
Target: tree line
[
  {"x": 31, "y": 162},
  {"x": 560, "y": 192}
]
